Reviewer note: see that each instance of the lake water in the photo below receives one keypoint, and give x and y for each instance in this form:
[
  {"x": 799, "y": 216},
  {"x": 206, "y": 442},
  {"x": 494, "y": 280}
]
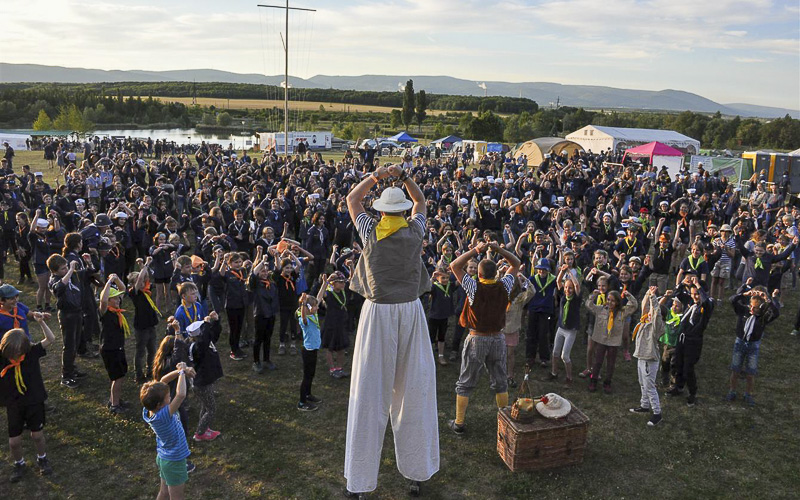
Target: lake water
[{"x": 182, "y": 136}]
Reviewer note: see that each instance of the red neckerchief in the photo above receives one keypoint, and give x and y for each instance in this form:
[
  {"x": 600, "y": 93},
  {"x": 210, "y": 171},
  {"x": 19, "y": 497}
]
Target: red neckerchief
[
  {"x": 288, "y": 283},
  {"x": 16, "y": 317}
]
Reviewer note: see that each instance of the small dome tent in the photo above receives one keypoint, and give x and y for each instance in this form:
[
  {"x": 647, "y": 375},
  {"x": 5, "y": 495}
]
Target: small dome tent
[{"x": 535, "y": 149}]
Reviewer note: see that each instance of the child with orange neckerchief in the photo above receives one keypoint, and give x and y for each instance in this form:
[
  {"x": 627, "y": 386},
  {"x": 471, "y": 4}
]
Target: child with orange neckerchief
[
  {"x": 114, "y": 331},
  {"x": 23, "y": 394}
]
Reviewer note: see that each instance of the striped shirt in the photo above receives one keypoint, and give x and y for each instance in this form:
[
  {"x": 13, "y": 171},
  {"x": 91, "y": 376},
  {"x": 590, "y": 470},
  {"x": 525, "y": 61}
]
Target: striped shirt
[
  {"x": 365, "y": 224},
  {"x": 470, "y": 286},
  {"x": 170, "y": 439},
  {"x": 725, "y": 258}
]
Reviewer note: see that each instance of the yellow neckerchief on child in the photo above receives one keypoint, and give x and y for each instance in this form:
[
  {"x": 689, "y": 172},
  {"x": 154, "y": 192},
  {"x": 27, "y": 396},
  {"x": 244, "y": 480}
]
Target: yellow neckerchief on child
[
  {"x": 530, "y": 238},
  {"x": 146, "y": 292},
  {"x": 445, "y": 290},
  {"x": 13, "y": 315},
  {"x": 610, "y": 325},
  {"x": 388, "y": 225},
  {"x": 15, "y": 364},
  {"x": 312, "y": 317},
  {"x": 759, "y": 264},
  {"x": 630, "y": 246},
  {"x": 601, "y": 299},
  {"x": 661, "y": 251},
  {"x": 566, "y": 309},
  {"x": 695, "y": 265},
  {"x": 122, "y": 321},
  {"x": 194, "y": 314},
  {"x": 343, "y": 301},
  {"x": 642, "y": 321},
  {"x": 550, "y": 279}
]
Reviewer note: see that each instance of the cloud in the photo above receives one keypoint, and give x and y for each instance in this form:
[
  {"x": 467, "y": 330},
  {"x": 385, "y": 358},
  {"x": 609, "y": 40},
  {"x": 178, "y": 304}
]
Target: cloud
[{"x": 749, "y": 60}]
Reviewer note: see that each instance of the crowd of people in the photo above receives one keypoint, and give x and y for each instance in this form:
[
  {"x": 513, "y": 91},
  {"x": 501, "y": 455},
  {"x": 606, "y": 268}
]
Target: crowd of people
[{"x": 211, "y": 244}]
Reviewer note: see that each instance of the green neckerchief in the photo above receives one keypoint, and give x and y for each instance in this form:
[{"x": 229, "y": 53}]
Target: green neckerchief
[
  {"x": 695, "y": 265},
  {"x": 445, "y": 290},
  {"x": 343, "y": 301},
  {"x": 566, "y": 309},
  {"x": 550, "y": 279},
  {"x": 758, "y": 264},
  {"x": 672, "y": 325},
  {"x": 311, "y": 317}
]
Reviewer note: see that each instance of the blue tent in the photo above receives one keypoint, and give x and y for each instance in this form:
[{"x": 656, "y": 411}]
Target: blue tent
[
  {"x": 450, "y": 139},
  {"x": 402, "y": 137},
  {"x": 496, "y": 147}
]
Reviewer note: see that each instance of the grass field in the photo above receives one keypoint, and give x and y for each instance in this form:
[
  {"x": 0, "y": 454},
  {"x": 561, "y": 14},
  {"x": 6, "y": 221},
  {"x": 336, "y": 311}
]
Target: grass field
[{"x": 270, "y": 450}]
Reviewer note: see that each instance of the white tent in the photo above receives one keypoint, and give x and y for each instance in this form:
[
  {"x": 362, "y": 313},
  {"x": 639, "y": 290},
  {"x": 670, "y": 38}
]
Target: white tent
[
  {"x": 15, "y": 140},
  {"x": 598, "y": 138}
]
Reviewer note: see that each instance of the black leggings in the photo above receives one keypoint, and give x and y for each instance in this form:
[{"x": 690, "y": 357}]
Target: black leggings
[
  {"x": 687, "y": 354},
  {"x": 309, "y": 369},
  {"x": 289, "y": 322},
  {"x": 235, "y": 322},
  {"x": 538, "y": 336},
  {"x": 437, "y": 329},
  {"x": 25, "y": 267},
  {"x": 263, "y": 337}
]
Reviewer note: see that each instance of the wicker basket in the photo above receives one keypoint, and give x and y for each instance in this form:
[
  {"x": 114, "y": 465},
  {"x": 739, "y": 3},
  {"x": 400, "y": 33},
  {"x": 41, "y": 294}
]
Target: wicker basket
[{"x": 542, "y": 443}]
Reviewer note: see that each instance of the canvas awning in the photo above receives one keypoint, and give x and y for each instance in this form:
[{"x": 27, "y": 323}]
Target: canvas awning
[{"x": 402, "y": 137}]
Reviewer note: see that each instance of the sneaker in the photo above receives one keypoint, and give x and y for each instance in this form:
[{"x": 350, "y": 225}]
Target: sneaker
[
  {"x": 281, "y": 350},
  {"x": 674, "y": 391},
  {"x": 76, "y": 375},
  {"x": 44, "y": 466},
  {"x": 190, "y": 467},
  {"x": 271, "y": 366},
  {"x": 293, "y": 350},
  {"x": 201, "y": 437},
  {"x": 307, "y": 406},
  {"x": 552, "y": 376},
  {"x": 592, "y": 385},
  {"x": 414, "y": 488},
  {"x": 749, "y": 400},
  {"x": 544, "y": 364},
  {"x": 336, "y": 374},
  {"x": 655, "y": 418},
  {"x": 452, "y": 357},
  {"x": 212, "y": 435},
  {"x": 795, "y": 332},
  {"x": 349, "y": 494},
  {"x": 236, "y": 356},
  {"x": 116, "y": 410},
  {"x": 258, "y": 367},
  {"x": 639, "y": 409},
  {"x": 313, "y": 399},
  {"x": 344, "y": 373},
  {"x": 441, "y": 360},
  {"x": 607, "y": 387},
  {"x": 68, "y": 382},
  {"x": 459, "y": 429},
  {"x": 512, "y": 383},
  {"x": 18, "y": 472},
  {"x": 731, "y": 396},
  {"x": 626, "y": 355},
  {"x": 585, "y": 373},
  {"x": 691, "y": 401},
  {"x": 122, "y": 404}
]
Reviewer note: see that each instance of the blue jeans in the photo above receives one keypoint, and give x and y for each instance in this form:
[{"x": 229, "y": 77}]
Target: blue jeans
[{"x": 745, "y": 357}]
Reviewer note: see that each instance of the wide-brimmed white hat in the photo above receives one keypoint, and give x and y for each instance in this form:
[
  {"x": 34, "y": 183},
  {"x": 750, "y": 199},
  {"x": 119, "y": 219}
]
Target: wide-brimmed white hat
[
  {"x": 392, "y": 200},
  {"x": 555, "y": 407},
  {"x": 194, "y": 328}
]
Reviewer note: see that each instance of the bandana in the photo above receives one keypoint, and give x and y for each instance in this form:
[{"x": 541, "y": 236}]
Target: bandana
[
  {"x": 695, "y": 265},
  {"x": 610, "y": 325},
  {"x": 758, "y": 264},
  {"x": 148, "y": 295},
  {"x": 239, "y": 276},
  {"x": 390, "y": 224},
  {"x": 15, "y": 364},
  {"x": 566, "y": 309},
  {"x": 484, "y": 281},
  {"x": 122, "y": 321},
  {"x": 601, "y": 300},
  {"x": 193, "y": 314},
  {"x": 550, "y": 279},
  {"x": 343, "y": 301},
  {"x": 630, "y": 245},
  {"x": 445, "y": 290},
  {"x": 288, "y": 282},
  {"x": 645, "y": 319},
  {"x": 13, "y": 315}
]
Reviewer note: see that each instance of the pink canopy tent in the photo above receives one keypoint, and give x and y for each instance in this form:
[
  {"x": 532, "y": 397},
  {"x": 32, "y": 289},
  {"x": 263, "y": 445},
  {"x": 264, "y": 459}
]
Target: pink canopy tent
[{"x": 659, "y": 155}]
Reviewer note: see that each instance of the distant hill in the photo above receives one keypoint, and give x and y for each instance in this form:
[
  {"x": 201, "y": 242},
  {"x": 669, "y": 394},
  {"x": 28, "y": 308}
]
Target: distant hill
[{"x": 544, "y": 93}]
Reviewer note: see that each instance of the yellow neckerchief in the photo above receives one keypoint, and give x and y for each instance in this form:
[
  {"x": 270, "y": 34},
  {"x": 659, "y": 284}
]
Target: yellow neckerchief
[
  {"x": 530, "y": 238},
  {"x": 343, "y": 301},
  {"x": 122, "y": 321},
  {"x": 550, "y": 279},
  {"x": 313, "y": 317},
  {"x": 484, "y": 281},
  {"x": 147, "y": 294},
  {"x": 661, "y": 250},
  {"x": 630, "y": 246},
  {"x": 445, "y": 290},
  {"x": 15, "y": 364},
  {"x": 194, "y": 314},
  {"x": 601, "y": 299},
  {"x": 388, "y": 225},
  {"x": 673, "y": 318},
  {"x": 447, "y": 259},
  {"x": 759, "y": 264},
  {"x": 642, "y": 321},
  {"x": 610, "y": 325},
  {"x": 695, "y": 265}
]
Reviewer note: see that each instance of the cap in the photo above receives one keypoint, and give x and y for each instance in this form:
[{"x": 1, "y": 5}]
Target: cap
[
  {"x": 543, "y": 264},
  {"x": 493, "y": 202},
  {"x": 41, "y": 223},
  {"x": 121, "y": 215},
  {"x": 7, "y": 291},
  {"x": 620, "y": 233},
  {"x": 194, "y": 328},
  {"x": 38, "y": 174},
  {"x": 102, "y": 220}
]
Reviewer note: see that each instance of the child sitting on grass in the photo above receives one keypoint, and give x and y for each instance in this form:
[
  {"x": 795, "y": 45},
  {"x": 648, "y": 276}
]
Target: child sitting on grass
[
  {"x": 203, "y": 354},
  {"x": 23, "y": 394},
  {"x": 309, "y": 324},
  {"x": 161, "y": 414},
  {"x": 755, "y": 311},
  {"x": 112, "y": 339}
]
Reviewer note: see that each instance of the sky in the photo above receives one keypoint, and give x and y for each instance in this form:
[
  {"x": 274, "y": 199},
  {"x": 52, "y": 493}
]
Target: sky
[{"x": 731, "y": 51}]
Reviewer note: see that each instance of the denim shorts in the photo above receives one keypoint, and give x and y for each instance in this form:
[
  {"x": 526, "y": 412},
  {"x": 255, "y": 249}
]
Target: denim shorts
[{"x": 745, "y": 357}]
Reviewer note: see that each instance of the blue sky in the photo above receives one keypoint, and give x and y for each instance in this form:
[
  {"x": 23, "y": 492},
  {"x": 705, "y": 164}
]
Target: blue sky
[{"x": 726, "y": 50}]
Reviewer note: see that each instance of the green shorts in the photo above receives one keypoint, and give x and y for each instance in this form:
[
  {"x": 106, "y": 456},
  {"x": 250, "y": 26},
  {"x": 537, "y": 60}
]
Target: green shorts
[{"x": 173, "y": 472}]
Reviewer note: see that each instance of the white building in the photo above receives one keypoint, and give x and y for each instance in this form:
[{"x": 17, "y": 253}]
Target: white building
[{"x": 597, "y": 138}]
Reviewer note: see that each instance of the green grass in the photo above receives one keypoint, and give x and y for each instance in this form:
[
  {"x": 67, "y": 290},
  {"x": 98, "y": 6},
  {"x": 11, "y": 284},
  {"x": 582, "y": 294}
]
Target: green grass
[{"x": 270, "y": 450}]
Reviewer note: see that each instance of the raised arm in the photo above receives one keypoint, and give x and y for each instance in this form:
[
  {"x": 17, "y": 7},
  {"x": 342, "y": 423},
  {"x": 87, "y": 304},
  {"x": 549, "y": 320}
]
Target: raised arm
[
  {"x": 459, "y": 265},
  {"x": 512, "y": 259},
  {"x": 355, "y": 199},
  {"x": 49, "y": 338}
]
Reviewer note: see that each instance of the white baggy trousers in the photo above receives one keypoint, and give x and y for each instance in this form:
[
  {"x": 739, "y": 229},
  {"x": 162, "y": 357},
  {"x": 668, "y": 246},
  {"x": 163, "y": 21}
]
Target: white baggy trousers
[{"x": 393, "y": 375}]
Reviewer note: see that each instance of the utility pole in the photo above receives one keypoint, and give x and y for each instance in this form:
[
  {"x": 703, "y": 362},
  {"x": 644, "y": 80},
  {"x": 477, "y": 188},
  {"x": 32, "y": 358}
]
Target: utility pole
[{"x": 285, "y": 40}]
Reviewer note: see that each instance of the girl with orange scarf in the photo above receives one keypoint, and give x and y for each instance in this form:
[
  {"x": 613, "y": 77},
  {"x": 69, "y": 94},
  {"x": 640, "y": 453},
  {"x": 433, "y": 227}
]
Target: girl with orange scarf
[{"x": 114, "y": 331}]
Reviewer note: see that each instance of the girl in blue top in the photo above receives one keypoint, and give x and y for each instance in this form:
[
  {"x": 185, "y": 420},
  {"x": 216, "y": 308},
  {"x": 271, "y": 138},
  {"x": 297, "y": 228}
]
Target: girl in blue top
[{"x": 309, "y": 324}]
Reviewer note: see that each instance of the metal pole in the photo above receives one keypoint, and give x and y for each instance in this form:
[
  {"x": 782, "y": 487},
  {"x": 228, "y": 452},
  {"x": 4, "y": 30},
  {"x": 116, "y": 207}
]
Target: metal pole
[{"x": 286, "y": 87}]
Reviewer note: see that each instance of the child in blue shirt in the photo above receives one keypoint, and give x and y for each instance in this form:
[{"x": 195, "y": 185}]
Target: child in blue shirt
[
  {"x": 312, "y": 340},
  {"x": 161, "y": 413},
  {"x": 191, "y": 309}
]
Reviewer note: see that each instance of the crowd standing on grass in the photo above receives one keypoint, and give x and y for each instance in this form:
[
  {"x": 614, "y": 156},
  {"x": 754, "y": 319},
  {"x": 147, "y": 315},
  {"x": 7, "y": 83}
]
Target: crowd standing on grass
[{"x": 218, "y": 248}]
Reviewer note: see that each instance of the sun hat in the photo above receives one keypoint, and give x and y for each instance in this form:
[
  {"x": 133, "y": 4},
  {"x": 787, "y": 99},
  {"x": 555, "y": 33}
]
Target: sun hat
[
  {"x": 392, "y": 200},
  {"x": 41, "y": 223},
  {"x": 115, "y": 293},
  {"x": 121, "y": 215},
  {"x": 493, "y": 202},
  {"x": 553, "y": 406},
  {"x": 193, "y": 329},
  {"x": 7, "y": 291},
  {"x": 726, "y": 228}
]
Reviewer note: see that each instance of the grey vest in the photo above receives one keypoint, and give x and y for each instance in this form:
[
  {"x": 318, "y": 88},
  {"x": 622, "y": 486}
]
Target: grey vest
[{"x": 390, "y": 271}]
